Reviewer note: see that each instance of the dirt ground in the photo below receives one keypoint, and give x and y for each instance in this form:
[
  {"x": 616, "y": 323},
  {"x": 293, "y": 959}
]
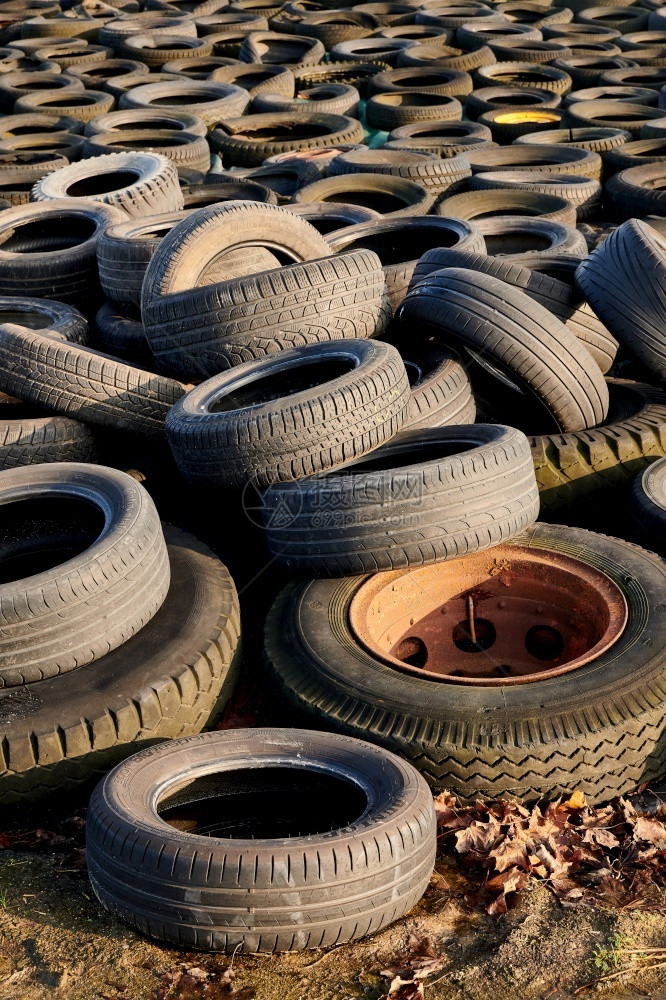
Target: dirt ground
[{"x": 57, "y": 942}]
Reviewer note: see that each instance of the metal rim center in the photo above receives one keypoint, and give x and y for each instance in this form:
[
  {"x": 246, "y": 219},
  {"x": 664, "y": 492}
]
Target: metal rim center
[{"x": 509, "y": 615}]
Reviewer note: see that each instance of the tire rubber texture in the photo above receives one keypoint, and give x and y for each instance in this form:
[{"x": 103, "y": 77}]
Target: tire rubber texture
[
  {"x": 232, "y": 143},
  {"x": 81, "y": 383},
  {"x": 434, "y": 174},
  {"x": 120, "y": 332},
  {"x": 211, "y": 329},
  {"x": 648, "y": 502},
  {"x": 555, "y": 295},
  {"x": 291, "y": 436},
  {"x": 63, "y": 617},
  {"x": 63, "y": 322},
  {"x": 510, "y": 236},
  {"x": 28, "y": 437},
  {"x": 264, "y": 895},
  {"x": 55, "y": 266},
  {"x": 636, "y": 192},
  {"x": 124, "y": 252},
  {"x": 597, "y": 729},
  {"x": 584, "y": 194},
  {"x": 441, "y": 391},
  {"x": 603, "y": 460},
  {"x": 155, "y": 190},
  {"x": 518, "y": 335},
  {"x": 472, "y": 206},
  {"x": 624, "y": 280},
  {"x": 412, "y": 512},
  {"x": 168, "y": 680},
  {"x": 391, "y": 196}
]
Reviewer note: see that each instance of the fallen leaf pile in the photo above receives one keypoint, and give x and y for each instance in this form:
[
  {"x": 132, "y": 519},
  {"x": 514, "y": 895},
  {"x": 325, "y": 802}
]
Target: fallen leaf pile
[
  {"x": 197, "y": 983},
  {"x": 407, "y": 975},
  {"x": 613, "y": 854}
]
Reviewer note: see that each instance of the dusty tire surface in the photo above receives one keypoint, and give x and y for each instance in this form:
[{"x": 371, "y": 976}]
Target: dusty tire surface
[
  {"x": 305, "y": 891},
  {"x": 111, "y": 572},
  {"x": 168, "y": 680}
]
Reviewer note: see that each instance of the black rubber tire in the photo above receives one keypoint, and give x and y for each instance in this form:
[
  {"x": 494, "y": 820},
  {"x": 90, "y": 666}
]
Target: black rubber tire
[
  {"x": 328, "y": 219},
  {"x": 81, "y": 383},
  {"x": 584, "y": 194},
  {"x": 363, "y": 50},
  {"x": 22, "y": 171},
  {"x": 586, "y": 71},
  {"x": 506, "y": 125},
  {"x": 445, "y": 56},
  {"x": 597, "y": 140},
  {"x": 283, "y": 178},
  {"x": 323, "y": 99},
  {"x": 624, "y": 280},
  {"x": 208, "y": 330},
  {"x": 640, "y": 153},
  {"x": 542, "y": 53},
  {"x": 649, "y": 77},
  {"x": 209, "y": 101},
  {"x": 111, "y": 574},
  {"x": 282, "y": 50},
  {"x": 404, "y": 506},
  {"x": 474, "y": 205},
  {"x": 623, "y": 95},
  {"x": 20, "y": 84},
  {"x": 441, "y": 391},
  {"x": 269, "y": 895},
  {"x": 428, "y": 80},
  {"x": 386, "y": 112},
  {"x": 511, "y": 98},
  {"x": 205, "y": 195},
  {"x": 434, "y": 174},
  {"x": 61, "y": 238},
  {"x": 597, "y": 728},
  {"x": 169, "y": 680},
  {"x": 611, "y": 114},
  {"x": 601, "y": 462},
  {"x": 547, "y": 288},
  {"x": 309, "y": 431},
  {"x": 524, "y": 74},
  {"x": 510, "y": 237},
  {"x": 518, "y": 336},
  {"x": 445, "y": 139},
  {"x": 356, "y": 74},
  {"x": 156, "y": 49},
  {"x": 147, "y": 183},
  {"x": 97, "y": 72},
  {"x": 146, "y": 118},
  {"x": 63, "y": 322},
  {"x": 637, "y": 192},
  {"x": 125, "y": 250},
  {"x": 81, "y": 104},
  {"x": 60, "y": 144},
  {"x": 648, "y": 503},
  {"x": 232, "y": 140},
  {"x": 400, "y": 242},
  {"x": 14, "y": 125},
  {"x": 391, "y": 196},
  {"x": 28, "y": 437},
  {"x": 189, "y": 153},
  {"x": 119, "y": 330},
  {"x": 257, "y": 78},
  {"x": 545, "y": 158}
]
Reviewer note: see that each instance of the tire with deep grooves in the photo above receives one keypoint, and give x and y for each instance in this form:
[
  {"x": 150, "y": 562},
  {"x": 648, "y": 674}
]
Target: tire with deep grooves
[
  {"x": 295, "y": 435},
  {"x": 597, "y": 729},
  {"x": 169, "y": 680}
]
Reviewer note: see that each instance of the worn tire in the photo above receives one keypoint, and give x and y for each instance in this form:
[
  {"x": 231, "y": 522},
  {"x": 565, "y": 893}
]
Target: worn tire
[
  {"x": 597, "y": 729},
  {"x": 147, "y": 183},
  {"x": 556, "y": 295},
  {"x": 28, "y": 437},
  {"x": 319, "y": 132},
  {"x": 475, "y": 205},
  {"x": 111, "y": 572},
  {"x": 624, "y": 280},
  {"x": 404, "y": 506},
  {"x": 648, "y": 503},
  {"x": 354, "y": 410},
  {"x": 125, "y": 250},
  {"x": 518, "y": 336},
  {"x": 391, "y": 196},
  {"x": 169, "y": 680},
  {"x": 603, "y": 459},
  {"x": 268, "y": 894},
  {"x": 81, "y": 383}
]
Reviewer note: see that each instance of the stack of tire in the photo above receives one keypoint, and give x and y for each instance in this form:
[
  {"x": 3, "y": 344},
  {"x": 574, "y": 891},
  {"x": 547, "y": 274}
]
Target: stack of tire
[{"x": 393, "y": 276}]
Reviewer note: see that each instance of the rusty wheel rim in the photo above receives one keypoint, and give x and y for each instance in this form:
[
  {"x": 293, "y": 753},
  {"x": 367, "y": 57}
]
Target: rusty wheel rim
[{"x": 509, "y": 615}]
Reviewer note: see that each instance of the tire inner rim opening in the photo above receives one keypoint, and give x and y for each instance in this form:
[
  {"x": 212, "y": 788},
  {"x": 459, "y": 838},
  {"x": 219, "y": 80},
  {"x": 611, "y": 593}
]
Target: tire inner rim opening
[{"x": 509, "y": 615}]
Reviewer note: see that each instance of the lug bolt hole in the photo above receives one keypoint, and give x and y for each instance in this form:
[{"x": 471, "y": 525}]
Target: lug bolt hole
[
  {"x": 544, "y": 642},
  {"x": 412, "y": 650},
  {"x": 485, "y": 635}
]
